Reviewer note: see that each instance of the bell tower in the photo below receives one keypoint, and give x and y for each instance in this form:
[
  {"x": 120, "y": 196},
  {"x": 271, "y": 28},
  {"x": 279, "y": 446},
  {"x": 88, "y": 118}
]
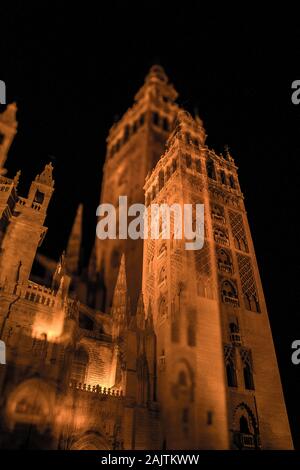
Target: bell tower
[
  {"x": 134, "y": 146},
  {"x": 218, "y": 381},
  {"x": 26, "y": 230}
]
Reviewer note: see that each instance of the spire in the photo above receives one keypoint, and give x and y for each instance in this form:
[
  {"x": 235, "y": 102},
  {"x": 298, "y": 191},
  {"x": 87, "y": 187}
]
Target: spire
[
  {"x": 140, "y": 313},
  {"x": 59, "y": 272},
  {"x": 228, "y": 155},
  {"x": 149, "y": 320},
  {"x": 74, "y": 244},
  {"x": 8, "y": 129},
  {"x": 120, "y": 292},
  {"x": 121, "y": 284},
  {"x": 17, "y": 177},
  {"x": 9, "y": 116},
  {"x": 46, "y": 177},
  {"x": 156, "y": 74},
  {"x": 157, "y": 84},
  {"x": 92, "y": 265},
  {"x": 120, "y": 301}
]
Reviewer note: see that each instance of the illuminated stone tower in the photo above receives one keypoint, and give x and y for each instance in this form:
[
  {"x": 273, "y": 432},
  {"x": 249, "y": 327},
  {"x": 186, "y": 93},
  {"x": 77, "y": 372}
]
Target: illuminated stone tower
[
  {"x": 218, "y": 380},
  {"x": 134, "y": 146},
  {"x": 25, "y": 231}
]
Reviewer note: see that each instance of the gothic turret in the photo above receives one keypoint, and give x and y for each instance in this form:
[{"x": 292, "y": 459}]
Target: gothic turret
[{"x": 74, "y": 244}]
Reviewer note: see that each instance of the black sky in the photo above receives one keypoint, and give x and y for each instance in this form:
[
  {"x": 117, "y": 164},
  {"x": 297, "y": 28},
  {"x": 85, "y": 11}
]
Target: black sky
[{"x": 74, "y": 70}]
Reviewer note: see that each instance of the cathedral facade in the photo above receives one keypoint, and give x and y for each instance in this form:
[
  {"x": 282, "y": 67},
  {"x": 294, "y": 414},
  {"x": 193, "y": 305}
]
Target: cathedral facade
[{"x": 153, "y": 346}]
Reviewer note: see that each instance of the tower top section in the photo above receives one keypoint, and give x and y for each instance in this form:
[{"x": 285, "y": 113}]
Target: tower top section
[
  {"x": 188, "y": 130},
  {"x": 8, "y": 117},
  {"x": 8, "y": 129},
  {"x": 46, "y": 177},
  {"x": 156, "y": 94},
  {"x": 157, "y": 84}
]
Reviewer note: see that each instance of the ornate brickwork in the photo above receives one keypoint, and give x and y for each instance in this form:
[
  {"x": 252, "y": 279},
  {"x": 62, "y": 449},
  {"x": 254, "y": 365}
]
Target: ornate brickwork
[
  {"x": 238, "y": 231},
  {"x": 248, "y": 283}
]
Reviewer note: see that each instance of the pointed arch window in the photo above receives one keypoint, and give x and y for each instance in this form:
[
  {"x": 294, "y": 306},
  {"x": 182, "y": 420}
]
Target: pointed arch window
[
  {"x": 188, "y": 160},
  {"x": 155, "y": 118},
  {"x": 229, "y": 354},
  {"x": 231, "y": 182},
  {"x": 224, "y": 261},
  {"x": 247, "y": 369},
  {"x": 223, "y": 177},
  {"x": 165, "y": 124},
  {"x": 210, "y": 169},
  {"x": 229, "y": 293},
  {"x": 191, "y": 334},
  {"x": 198, "y": 165}
]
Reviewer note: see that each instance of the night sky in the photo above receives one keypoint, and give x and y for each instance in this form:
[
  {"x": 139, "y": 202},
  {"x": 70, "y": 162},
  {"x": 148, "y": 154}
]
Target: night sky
[{"x": 73, "y": 70}]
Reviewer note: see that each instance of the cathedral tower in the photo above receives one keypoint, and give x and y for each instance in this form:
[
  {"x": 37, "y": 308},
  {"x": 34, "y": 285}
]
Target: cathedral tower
[
  {"x": 25, "y": 231},
  {"x": 218, "y": 380},
  {"x": 134, "y": 146}
]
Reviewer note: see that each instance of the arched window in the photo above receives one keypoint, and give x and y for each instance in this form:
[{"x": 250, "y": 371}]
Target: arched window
[
  {"x": 135, "y": 127},
  {"x": 39, "y": 197},
  {"x": 247, "y": 368},
  {"x": 248, "y": 377},
  {"x": 198, "y": 165},
  {"x": 245, "y": 429},
  {"x": 234, "y": 333},
  {"x": 210, "y": 169},
  {"x": 244, "y": 425},
  {"x": 229, "y": 353},
  {"x": 188, "y": 160},
  {"x": 166, "y": 125},
  {"x": 79, "y": 367},
  {"x": 126, "y": 133},
  {"x": 155, "y": 118},
  {"x": 224, "y": 261},
  {"x": 228, "y": 289},
  {"x": 161, "y": 180},
  {"x": 231, "y": 181},
  {"x": 221, "y": 236},
  {"x": 231, "y": 375},
  {"x": 233, "y": 327},
  {"x": 191, "y": 334},
  {"x": 223, "y": 177},
  {"x": 142, "y": 119}
]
